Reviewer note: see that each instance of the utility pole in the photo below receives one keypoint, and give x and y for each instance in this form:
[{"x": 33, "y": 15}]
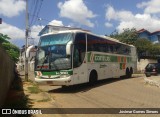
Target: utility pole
[{"x": 26, "y": 44}]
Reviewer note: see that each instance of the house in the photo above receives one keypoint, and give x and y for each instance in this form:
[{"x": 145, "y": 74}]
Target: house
[
  {"x": 53, "y": 28},
  {"x": 154, "y": 37},
  {"x": 31, "y": 59}
]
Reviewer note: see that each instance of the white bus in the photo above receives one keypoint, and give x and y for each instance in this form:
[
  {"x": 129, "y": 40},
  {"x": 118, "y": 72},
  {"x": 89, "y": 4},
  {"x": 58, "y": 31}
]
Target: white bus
[{"x": 72, "y": 57}]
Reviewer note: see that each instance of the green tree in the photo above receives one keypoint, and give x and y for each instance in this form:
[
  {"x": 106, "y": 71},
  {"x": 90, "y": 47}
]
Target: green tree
[
  {"x": 4, "y": 38},
  {"x": 128, "y": 36},
  {"x": 11, "y": 49},
  {"x": 143, "y": 47},
  {"x": 155, "y": 50}
]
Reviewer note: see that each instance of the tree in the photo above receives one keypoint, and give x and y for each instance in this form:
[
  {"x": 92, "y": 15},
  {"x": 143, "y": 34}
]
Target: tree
[
  {"x": 128, "y": 36},
  {"x": 4, "y": 38},
  {"x": 11, "y": 49},
  {"x": 155, "y": 50},
  {"x": 143, "y": 47}
]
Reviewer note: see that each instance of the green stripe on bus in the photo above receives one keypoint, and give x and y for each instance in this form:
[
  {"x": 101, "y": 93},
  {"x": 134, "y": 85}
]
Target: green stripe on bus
[
  {"x": 108, "y": 58},
  {"x": 61, "y": 72}
]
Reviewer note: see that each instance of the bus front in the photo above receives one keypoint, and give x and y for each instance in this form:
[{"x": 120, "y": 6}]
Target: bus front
[{"x": 53, "y": 59}]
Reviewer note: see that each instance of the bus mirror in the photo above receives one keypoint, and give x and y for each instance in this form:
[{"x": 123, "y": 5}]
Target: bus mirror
[{"x": 68, "y": 48}]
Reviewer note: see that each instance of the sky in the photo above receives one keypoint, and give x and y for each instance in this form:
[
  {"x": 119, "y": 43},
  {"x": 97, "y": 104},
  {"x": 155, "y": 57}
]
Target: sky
[{"x": 101, "y": 17}]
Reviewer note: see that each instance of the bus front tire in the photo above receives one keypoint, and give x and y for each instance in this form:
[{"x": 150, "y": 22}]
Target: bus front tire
[
  {"x": 131, "y": 72},
  {"x": 93, "y": 77},
  {"x": 127, "y": 73}
]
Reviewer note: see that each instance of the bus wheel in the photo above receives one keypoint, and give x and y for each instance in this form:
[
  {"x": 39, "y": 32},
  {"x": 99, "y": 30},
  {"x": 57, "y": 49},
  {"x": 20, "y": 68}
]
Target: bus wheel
[
  {"x": 131, "y": 72},
  {"x": 93, "y": 77},
  {"x": 127, "y": 73}
]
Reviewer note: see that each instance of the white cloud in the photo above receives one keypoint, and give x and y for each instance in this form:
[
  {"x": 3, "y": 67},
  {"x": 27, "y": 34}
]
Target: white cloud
[
  {"x": 152, "y": 6},
  {"x": 56, "y": 23},
  {"x": 127, "y": 19},
  {"x": 107, "y": 24},
  {"x": 77, "y": 11},
  {"x": 35, "y": 31},
  {"x": 110, "y": 13},
  {"x": 12, "y": 31},
  {"x": 141, "y": 21},
  {"x": 11, "y": 8},
  {"x": 122, "y": 15},
  {"x": 17, "y": 34}
]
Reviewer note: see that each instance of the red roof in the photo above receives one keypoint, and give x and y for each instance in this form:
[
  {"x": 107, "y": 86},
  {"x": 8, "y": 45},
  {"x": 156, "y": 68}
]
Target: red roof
[
  {"x": 156, "y": 31},
  {"x": 144, "y": 30}
]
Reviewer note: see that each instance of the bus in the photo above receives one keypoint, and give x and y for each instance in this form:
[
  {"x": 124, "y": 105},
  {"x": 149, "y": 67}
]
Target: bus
[{"x": 70, "y": 57}]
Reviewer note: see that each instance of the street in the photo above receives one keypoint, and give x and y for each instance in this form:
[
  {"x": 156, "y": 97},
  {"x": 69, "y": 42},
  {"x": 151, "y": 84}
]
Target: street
[{"x": 109, "y": 93}]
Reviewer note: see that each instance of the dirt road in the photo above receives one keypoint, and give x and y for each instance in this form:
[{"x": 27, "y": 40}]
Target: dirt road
[{"x": 110, "y": 93}]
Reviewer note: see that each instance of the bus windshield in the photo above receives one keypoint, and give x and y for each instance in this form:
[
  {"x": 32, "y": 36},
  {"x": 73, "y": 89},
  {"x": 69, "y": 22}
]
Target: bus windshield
[{"x": 51, "y": 54}]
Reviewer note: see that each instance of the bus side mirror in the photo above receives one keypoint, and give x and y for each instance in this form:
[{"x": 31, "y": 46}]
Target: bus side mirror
[{"x": 68, "y": 48}]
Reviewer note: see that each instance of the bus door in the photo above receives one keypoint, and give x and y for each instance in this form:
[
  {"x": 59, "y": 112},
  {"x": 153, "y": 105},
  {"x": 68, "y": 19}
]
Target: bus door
[{"x": 79, "y": 59}]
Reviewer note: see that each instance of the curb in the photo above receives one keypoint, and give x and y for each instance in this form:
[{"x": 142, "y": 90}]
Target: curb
[{"x": 151, "y": 82}]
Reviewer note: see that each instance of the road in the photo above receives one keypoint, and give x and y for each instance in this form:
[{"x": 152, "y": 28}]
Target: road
[{"x": 109, "y": 93}]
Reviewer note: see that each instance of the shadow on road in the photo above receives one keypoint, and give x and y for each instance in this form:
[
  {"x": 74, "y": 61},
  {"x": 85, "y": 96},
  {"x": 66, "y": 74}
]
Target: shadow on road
[{"x": 86, "y": 86}]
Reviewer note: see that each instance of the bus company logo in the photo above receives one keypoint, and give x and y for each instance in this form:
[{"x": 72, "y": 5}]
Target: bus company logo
[{"x": 99, "y": 58}]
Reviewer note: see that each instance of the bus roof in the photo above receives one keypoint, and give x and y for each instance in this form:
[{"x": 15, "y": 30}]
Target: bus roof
[{"x": 87, "y": 32}]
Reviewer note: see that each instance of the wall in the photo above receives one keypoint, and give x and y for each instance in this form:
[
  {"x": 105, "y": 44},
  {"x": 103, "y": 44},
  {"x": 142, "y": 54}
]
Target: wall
[
  {"x": 6, "y": 74},
  {"x": 143, "y": 62}
]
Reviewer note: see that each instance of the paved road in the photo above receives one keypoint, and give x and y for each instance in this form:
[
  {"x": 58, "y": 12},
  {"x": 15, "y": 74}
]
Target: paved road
[{"x": 110, "y": 93}]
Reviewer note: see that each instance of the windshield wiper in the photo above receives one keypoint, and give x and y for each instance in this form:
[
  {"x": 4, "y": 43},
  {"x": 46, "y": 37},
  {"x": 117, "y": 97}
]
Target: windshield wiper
[{"x": 44, "y": 61}]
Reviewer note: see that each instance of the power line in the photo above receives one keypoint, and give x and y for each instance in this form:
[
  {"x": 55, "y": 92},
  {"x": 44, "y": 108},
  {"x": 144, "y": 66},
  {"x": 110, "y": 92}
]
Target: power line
[
  {"x": 39, "y": 9},
  {"x": 34, "y": 12},
  {"x": 39, "y": 17},
  {"x": 32, "y": 3}
]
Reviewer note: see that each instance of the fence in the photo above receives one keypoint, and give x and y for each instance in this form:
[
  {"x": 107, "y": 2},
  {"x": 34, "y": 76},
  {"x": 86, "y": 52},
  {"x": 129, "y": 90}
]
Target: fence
[{"x": 7, "y": 68}]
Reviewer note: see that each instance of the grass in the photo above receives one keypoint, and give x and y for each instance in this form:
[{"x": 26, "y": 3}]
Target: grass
[
  {"x": 44, "y": 100},
  {"x": 34, "y": 89}
]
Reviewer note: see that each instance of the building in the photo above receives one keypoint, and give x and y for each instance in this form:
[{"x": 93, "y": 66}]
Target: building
[
  {"x": 52, "y": 28},
  {"x": 154, "y": 37},
  {"x": 31, "y": 59}
]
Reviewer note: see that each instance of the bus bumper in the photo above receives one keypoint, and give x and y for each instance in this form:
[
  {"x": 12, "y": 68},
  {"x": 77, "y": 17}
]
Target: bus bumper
[{"x": 58, "y": 81}]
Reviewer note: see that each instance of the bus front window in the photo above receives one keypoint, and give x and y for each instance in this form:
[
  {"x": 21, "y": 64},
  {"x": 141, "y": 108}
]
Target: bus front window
[
  {"x": 58, "y": 58},
  {"x": 51, "y": 54}
]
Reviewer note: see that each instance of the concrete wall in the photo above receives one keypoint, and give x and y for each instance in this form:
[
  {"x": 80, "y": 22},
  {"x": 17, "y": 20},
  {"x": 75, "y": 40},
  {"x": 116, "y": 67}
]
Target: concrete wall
[
  {"x": 6, "y": 74},
  {"x": 143, "y": 62}
]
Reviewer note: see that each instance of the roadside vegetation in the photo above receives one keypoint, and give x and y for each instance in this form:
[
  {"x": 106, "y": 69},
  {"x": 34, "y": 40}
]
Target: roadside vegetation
[
  {"x": 16, "y": 97},
  {"x": 145, "y": 48},
  {"x": 10, "y": 48},
  {"x": 34, "y": 89}
]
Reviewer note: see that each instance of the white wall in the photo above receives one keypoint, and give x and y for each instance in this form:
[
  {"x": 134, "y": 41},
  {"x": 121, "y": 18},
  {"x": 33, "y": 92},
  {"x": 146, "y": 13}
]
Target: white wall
[{"x": 143, "y": 62}]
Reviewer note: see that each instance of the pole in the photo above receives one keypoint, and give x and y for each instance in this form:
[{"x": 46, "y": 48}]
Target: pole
[{"x": 26, "y": 43}]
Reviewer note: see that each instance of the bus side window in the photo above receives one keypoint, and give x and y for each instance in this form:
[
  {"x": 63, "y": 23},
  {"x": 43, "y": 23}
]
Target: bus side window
[{"x": 110, "y": 48}]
